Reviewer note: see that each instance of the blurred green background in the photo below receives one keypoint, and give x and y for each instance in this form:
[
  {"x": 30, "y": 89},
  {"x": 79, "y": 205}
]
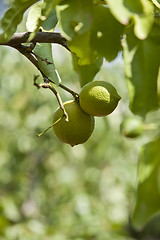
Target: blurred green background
[{"x": 49, "y": 190}]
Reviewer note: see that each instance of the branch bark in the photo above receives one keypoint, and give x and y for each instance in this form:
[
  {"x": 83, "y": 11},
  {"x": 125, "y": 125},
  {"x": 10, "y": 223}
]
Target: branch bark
[
  {"x": 18, "y": 39},
  {"x": 40, "y": 37}
]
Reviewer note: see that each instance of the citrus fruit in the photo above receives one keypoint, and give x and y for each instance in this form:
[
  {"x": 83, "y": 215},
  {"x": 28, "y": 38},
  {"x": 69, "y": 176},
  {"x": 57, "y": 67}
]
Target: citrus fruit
[
  {"x": 79, "y": 127},
  {"x": 98, "y": 98},
  {"x": 132, "y": 127}
]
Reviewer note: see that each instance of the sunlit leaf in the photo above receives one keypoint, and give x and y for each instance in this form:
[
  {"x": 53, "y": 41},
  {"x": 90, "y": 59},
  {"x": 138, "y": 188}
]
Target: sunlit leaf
[
  {"x": 142, "y": 62},
  {"x": 33, "y": 17},
  {"x": 141, "y": 12},
  {"x": 148, "y": 189},
  {"x": 120, "y": 12},
  {"x": 91, "y": 30},
  {"x": 80, "y": 45},
  {"x": 102, "y": 39},
  {"x": 87, "y": 72},
  {"x": 13, "y": 17},
  {"x": 48, "y": 11},
  {"x": 75, "y": 17},
  {"x": 105, "y": 33},
  {"x": 44, "y": 51},
  {"x": 48, "y": 7},
  {"x": 44, "y": 16}
]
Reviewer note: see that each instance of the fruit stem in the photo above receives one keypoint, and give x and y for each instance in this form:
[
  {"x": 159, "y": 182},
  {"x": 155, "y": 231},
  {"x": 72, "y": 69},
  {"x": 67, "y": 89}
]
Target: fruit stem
[
  {"x": 60, "y": 102},
  {"x": 48, "y": 85},
  {"x": 40, "y": 134},
  {"x": 74, "y": 94}
]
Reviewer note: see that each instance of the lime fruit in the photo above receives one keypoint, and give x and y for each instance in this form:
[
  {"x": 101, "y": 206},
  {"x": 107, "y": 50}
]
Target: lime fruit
[
  {"x": 79, "y": 127},
  {"x": 132, "y": 127},
  {"x": 98, "y": 98}
]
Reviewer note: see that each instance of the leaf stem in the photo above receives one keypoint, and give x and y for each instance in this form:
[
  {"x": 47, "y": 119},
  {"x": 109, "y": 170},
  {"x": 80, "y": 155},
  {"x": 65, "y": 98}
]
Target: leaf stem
[
  {"x": 59, "y": 101},
  {"x": 40, "y": 134},
  {"x": 74, "y": 94}
]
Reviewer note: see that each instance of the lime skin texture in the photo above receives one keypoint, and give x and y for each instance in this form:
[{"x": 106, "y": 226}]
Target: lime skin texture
[
  {"x": 79, "y": 126},
  {"x": 98, "y": 98}
]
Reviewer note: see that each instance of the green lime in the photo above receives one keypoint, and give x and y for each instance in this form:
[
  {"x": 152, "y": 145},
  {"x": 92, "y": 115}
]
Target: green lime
[
  {"x": 98, "y": 98},
  {"x": 79, "y": 127},
  {"x": 132, "y": 127}
]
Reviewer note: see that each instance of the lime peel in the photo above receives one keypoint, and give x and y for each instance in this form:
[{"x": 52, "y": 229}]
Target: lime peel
[
  {"x": 79, "y": 127},
  {"x": 98, "y": 98}
]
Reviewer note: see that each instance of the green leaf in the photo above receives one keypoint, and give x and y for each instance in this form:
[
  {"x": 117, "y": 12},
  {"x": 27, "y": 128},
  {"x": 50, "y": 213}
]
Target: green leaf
[
  {"x": 48, "y": 7},
  {"x": 151, "y": 229},
  {"x": 75, "y": 17},
  {"x": 140, "y": 11},
  {"x": 102, "y": 39},
  {"x": 47, "y": 18},
  {"x": 51, "y": 21},
  {"x": 75, "y": 20},
  {"x": 80, "y": 45},
  {"x": 13, "y": 17},
  {"x": 87, "y": 72},
  {"x": 33, "y": 16},
  {"x": 91, "y": 30},
  {"x": 35, "y": 13},
  {"x": 141, "y": 58},
  {"x": 148, "y": 190},
  {"x": 44, "y": 50},
  {"x": 105, "y": 33},
  {"x": 119, "y": 11}
]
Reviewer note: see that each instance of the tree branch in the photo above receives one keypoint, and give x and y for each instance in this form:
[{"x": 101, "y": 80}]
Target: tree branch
[
  {"x": 24, "y": 51},
  {"x": 41, "y": 37}
]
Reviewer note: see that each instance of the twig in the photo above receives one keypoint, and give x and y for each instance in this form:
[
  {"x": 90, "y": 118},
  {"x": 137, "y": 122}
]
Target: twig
[
  {"x": 42, "y": 59},
  {"x": 74, "y": 94},
  {"x": 24, "y": 50},
  {"x": 40, "y": 134},
  {"x": 48, "y": 85},
  {"x": 35, "y": 81},
  {"x": 156, "y": 3},
  {"x": 28, "y": 54},
  {"x": 59, "y": 100}
]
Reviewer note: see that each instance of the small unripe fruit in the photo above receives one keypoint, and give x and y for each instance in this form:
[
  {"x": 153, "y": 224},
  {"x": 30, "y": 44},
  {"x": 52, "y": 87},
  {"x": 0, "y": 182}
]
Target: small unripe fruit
[
  {"x": 79, "y": 126},
  {"x": 132, "y": 127},
  {"x": 98, "y": 98}
]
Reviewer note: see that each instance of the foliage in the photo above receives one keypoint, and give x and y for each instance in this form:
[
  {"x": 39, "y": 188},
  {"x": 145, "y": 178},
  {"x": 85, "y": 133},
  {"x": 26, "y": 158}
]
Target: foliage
[{"x": 40, "y": 200}]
